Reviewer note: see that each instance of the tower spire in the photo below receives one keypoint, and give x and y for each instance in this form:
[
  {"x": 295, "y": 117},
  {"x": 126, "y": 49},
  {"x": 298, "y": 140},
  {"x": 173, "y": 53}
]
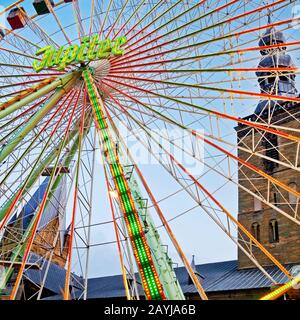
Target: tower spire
[{"x": 277, "y": 82}]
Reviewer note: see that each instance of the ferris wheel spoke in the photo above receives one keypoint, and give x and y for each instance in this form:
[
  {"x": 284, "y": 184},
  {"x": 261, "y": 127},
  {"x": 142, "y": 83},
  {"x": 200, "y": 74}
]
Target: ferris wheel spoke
[
  {"x": 206, "y": 89},
  {"x": 245, "y": 149},
  {"x": 11, "y": 96},
  {"x": 215, "y": 25},
  {"x": 163, "y": 25},
  {"x": 34, "y": 120},
  {"x": 19, "y": 116},
  {"x": 123, "y": 65},
  {"x": 36, "y": 174},
  {"x": 109, "y": 191},
  {"x": 19, "y": 66},
  {"x": 18, "y": 53},
  {"x": 228, "y": 70},
  {"x": 209, "y": 111},
  {"x": 265, "y": 96},
  {"x": 22, "y": 121},
  {"x": 6, "y": 9},
  {"x": 242, "y": 162},
  {"x": 50, "y": 8},
  {"x": 229, "y": 177},
  {"x": 31, "y": 94},
  {"x": 210, "y": 41},
  {"x": 117, "y": 18},
  {"x": 34, "y": 225},
  {"x": 148, "y": 13},
  {"x": 101, "y": 30},
  {"x": 58, "y": 109},
  {"x": 77, "y": 16},
  {"x": 179, "y": 73},
  {"x": 19, "y": 42},
  {"x": 176, "y": 29},
  {"x": 23, "y": 93},
  {"x": 7, "y": 208},
  {"x": 37, "y": 30},
  {"x": 197, "y": 183},
  {"x": 25, "y": 83},
  {"x": 129, "y": 19},
  {"x": 161, "y": 216},
  {"x": 75, "y": 199},
  {"x": 29, "y": 75},
  {"x": 152, "y": 23},
  {"x": 97, "y": 14},
  {"x": 92, "y": 17}
]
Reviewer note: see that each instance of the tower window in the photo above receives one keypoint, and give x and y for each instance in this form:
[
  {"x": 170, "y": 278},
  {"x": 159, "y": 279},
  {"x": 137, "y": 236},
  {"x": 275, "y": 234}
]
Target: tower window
[
  {"x": 275, "y": 198},
  {"x": 270, "y": 144},
  {"x": 256, "y": 230},
  {"x": 273, "y": 231}
]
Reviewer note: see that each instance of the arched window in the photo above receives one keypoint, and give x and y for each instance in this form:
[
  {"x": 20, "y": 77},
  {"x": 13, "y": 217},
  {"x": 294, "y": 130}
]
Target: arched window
[
  {"x": 255, "y": 228},
  {"x": 257, "y": 204},
  {"x": 273, "y": 231},
  {"x": 292, "y": 197}
]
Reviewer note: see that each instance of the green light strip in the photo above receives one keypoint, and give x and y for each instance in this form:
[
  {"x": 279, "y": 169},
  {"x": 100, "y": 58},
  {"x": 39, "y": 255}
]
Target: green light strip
[{"x": 151, "y": 282}]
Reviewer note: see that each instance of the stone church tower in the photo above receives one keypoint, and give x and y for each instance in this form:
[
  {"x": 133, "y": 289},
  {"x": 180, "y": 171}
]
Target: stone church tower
[{"x": 261, "y": 212}]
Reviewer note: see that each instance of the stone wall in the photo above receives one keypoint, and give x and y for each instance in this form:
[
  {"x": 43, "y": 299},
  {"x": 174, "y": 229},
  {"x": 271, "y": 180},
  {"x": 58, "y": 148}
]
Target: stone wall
[{"x": 287, "y": 249}]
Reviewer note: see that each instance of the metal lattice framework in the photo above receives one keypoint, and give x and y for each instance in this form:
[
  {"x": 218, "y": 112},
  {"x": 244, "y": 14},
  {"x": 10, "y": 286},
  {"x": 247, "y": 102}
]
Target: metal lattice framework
[{"x": 185, "y": 80}]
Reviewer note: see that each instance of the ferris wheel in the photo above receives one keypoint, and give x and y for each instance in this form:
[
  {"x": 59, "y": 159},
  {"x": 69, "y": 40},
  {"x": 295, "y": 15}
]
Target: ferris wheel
[{"x": 113, "y": 86}]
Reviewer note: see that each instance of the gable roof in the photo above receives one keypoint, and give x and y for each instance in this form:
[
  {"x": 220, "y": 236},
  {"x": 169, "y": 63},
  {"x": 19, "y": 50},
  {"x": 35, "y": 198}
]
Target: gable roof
[{"x": 217, "y": 277}]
